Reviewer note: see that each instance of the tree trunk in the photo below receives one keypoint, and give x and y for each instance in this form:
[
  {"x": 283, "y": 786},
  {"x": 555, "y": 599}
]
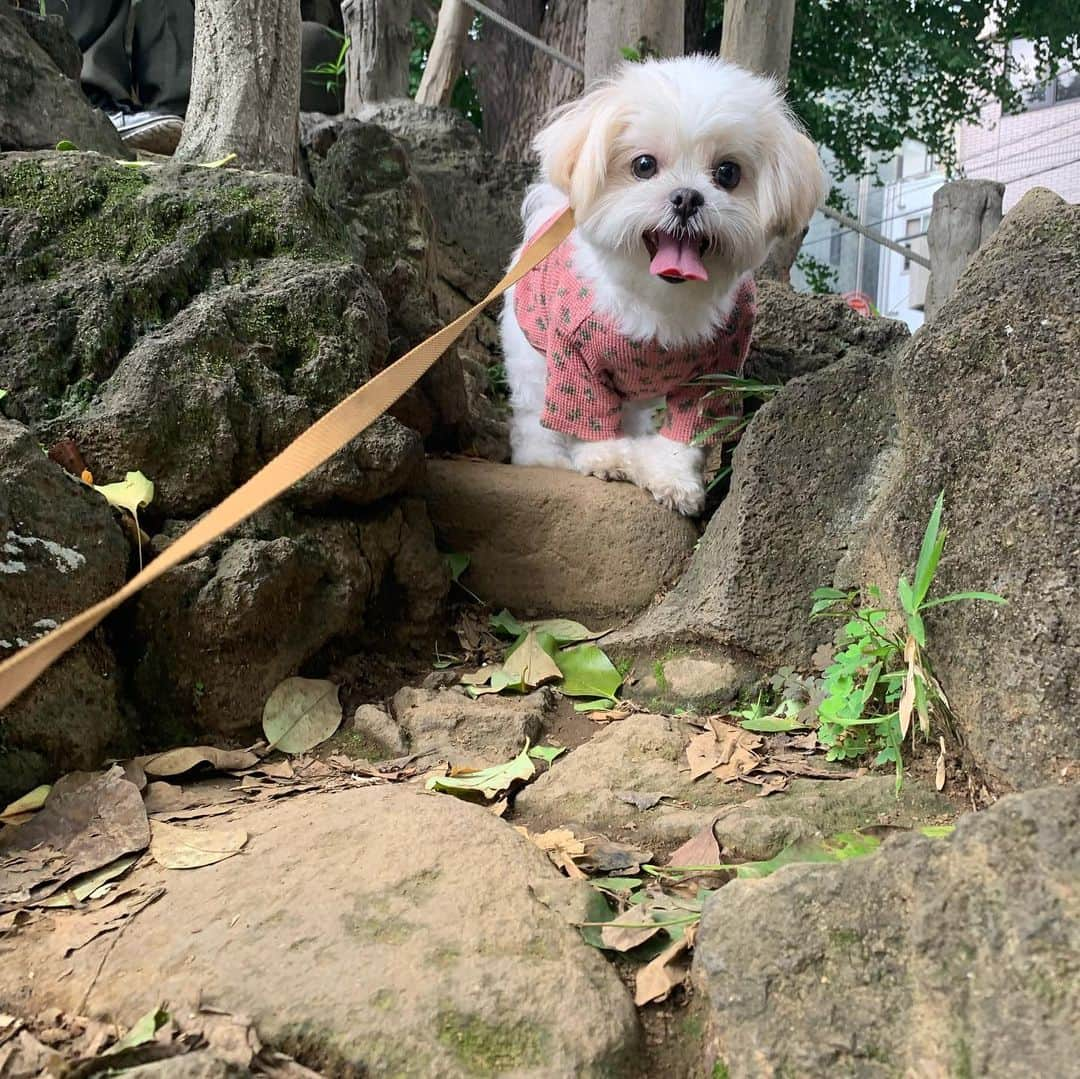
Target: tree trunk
[
  {"x": 447, "y": 55},
  {"x": 245, "y": 84},
  {"x": 377, "y": 63},
  {"x": 655, "y": 27},
  {"x": 517, "y": 84},
  {"x": 757, "y": 35}
]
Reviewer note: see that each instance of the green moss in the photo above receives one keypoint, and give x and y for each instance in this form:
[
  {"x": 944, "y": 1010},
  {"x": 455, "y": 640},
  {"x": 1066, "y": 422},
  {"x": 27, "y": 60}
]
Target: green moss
[
  {"x": 961, "y": 1062},
  {"x": 720, "y": 1070},
  {"x": 844, "y": 938},
  {"x": 485, "y": 1048},
  {"x": 659, "y": 676}
]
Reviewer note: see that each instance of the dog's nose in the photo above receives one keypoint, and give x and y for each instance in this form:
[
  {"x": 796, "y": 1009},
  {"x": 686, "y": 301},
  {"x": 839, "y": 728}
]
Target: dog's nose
[{"x": 686, "y": 202}]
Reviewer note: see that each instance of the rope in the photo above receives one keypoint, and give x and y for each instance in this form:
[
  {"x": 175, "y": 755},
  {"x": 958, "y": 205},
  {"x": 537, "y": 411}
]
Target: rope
[{"x": 513, "y": 28}]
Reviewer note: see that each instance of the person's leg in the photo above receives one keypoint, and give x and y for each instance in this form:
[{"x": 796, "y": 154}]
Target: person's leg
[
  {"x": 161, "y": 54},
  {"x": 99, "y": 28}
]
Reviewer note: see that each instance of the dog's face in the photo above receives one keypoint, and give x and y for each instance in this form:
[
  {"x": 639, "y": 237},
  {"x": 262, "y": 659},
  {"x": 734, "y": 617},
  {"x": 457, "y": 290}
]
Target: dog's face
[{"x": 683, "y": 165}]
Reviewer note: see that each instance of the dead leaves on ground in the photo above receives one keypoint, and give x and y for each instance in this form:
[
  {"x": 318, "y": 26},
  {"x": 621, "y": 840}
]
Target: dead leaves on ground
[{"x": 733, "y": 754}]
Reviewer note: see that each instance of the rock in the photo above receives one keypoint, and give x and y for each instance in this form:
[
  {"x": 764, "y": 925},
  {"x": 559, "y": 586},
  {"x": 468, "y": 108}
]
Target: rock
[
  {"x": 375, "y": 931},
  {"x": 487, "y": 731},
  {"x": 644, "y": 754},
  {"x": 806, "y": 473},
  {"x": 380, "y": 736},
  {"x": 198, "y": 1065},
  {"x": 219, "y": 632},
  {"x": 545, "y": 541},
  {"x": 39, "y": 104},
  {"x": 989, "y": 402},
  {"x": 931, "y": 957},
  {"x": 61, "y": 550},
  {"x": 363, "y": 173},
  {"x": 797, "y": 333},
  {"x": 50, "y": 34},
  {"x": 691, "y": 682}
]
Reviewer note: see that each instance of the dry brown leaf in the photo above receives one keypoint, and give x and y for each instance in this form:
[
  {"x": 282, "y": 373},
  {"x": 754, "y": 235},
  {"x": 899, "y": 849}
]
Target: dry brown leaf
[
  {"x": 669, "y": 969},
  {"x": 702, "y": 754},
  {"x": 699, "y": 849},
  {"x": 939, "y": 771},
  {"x": 530, "y": 664},
  {"x": 628, "y": 930},
  {"x": 76, "y": 929},
  {"x": 190, "y": 848},
  {"x": 175, "y": 762},
  {"x": 907, "y": 698}
]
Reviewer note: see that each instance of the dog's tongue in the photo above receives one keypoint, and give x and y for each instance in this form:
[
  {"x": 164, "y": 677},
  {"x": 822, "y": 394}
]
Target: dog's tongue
[{"x": 677, "y": 257}]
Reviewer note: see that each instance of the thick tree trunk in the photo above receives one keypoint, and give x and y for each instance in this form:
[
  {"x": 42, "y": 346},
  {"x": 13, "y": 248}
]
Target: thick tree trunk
[
  {"x": 245, "y": 84},
  {"x": 757, "y": 35},
  {"x": 377, "y": 63},
  {"x": 658, "y": 26},
  {"x": 447, "y": 55},
  {"x": 517, "y": 84}
]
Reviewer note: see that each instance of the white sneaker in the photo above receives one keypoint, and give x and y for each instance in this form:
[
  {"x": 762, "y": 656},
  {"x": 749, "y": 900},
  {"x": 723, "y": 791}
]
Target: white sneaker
[{"x": 154, "y": 132}]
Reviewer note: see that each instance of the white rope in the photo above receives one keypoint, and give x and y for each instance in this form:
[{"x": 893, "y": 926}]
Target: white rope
[
  {"x": 873, "y": 234},
  {"x": 513, "y": 28}
]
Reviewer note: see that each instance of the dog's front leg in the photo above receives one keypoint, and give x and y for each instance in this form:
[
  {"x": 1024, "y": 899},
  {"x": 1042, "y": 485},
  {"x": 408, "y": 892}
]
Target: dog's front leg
[
  {"x": 609, "y": 458},
  {"x": 671, "y": 471}
]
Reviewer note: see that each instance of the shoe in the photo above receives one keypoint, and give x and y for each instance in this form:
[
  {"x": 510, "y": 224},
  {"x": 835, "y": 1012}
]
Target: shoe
[{"x": 154, "y": 132}]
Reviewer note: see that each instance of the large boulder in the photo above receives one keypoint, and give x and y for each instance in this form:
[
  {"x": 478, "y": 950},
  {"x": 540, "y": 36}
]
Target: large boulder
[
  {"x": 988, "y": 397},
  {"x": 190, "y": 322},
  {"x": 376, "y": 931},
  {"x": 39, "y": 104},
  {"x": 931, "y": 957},
  {"x": 61, "y": 550}
]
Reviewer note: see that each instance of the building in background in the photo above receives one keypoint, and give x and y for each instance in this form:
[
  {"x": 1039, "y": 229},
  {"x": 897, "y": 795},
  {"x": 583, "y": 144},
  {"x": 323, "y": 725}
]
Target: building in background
[{"x": 1037, "y": 147}]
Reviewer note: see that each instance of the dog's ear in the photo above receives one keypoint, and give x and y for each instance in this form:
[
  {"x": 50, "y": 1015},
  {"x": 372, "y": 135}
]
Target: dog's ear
[
  {"x": 575, "y": 145},
  {"x": 793, "y": 183}
]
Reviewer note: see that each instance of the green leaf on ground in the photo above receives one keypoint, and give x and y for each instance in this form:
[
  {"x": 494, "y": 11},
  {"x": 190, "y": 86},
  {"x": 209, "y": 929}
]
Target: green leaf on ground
[
  {"x": 547, "y": 753},
  {"x": 564, "y": 630},
  {"x": 486, "y": 783},
  {"x": 937, "y": 831},
  {"x": 301, "y": 713},
  {"x": 772, "y": 724},
  {"x": 587, "y": 672},
  {"x": 458, "y": 564},
  {"x": 601, "y": 704},
  {"x": 837, "y": 848},
  {"x": 135, "y": 491},
  {"x": 65, "y": 146},
  {"x": 28, "y": 803},
  {"x": 506, "y": 623},
  {"x": 142, "y": 1031}
]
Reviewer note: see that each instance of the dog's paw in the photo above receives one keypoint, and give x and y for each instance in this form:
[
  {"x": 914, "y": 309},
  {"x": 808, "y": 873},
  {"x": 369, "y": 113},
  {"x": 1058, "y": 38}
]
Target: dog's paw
[
  {"x": 671, "y": 473},
  {"x": 685, "y": 498},
  {"x": 607, "y": 460}
]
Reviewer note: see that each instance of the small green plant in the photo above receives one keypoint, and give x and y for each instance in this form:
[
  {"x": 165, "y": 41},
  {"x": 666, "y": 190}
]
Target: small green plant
[
  {"x": 333, "y": 71},
  {"x": 820, "y": 276},
  {"x": 641, "y": 51},
  {"x": 879, "y": 678},
  {"x": 729, "y": 428}
]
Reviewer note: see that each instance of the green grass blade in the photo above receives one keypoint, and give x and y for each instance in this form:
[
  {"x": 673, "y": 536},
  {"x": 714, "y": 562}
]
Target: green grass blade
[
  {"x": 989, "y": 597},
  {"x": 916, "y": 628},
  {"x": 907, "y": 596},
  {"x": 930, "y": 552}
]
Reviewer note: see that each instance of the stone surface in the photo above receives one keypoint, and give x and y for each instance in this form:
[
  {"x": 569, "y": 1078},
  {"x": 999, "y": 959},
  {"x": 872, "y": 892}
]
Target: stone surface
[
  {"x": 189, "y": 323},
  {"x": 377, "y": 931},
  {"x": 547, "y": 541},
  {"x": 40, "y": 105},
  {"x": 489, "y": 730},
  {"x": 931, "y": 957},
  {"x": 52, "y": 35},
  {"x": 379, "y": 735},
  {"x": 691, "y": 682},
  {"x": 214, "y": 636},
  {"x": 364, "y": 174},
  {"x": 989, "y": 402},
  {"x": 806, "y": 473},
  {"x": 61, "y": 549}
]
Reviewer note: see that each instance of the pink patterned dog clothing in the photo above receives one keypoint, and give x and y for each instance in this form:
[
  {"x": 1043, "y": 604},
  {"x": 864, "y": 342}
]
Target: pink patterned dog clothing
[{"x": 592, "y": 368}]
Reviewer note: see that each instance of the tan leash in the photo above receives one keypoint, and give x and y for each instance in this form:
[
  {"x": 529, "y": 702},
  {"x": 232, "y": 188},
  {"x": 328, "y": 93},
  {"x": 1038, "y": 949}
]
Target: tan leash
[{"x": 318, "y": 443}]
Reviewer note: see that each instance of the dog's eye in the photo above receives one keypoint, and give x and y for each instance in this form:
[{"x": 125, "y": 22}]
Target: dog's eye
[
  {"x": 644, "y": 167},
  {"x": 727, "y": 175}
]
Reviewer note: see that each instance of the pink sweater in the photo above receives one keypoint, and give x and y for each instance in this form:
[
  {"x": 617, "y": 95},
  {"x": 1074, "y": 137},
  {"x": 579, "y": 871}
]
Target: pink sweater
[{"x": 592, "y": 368}]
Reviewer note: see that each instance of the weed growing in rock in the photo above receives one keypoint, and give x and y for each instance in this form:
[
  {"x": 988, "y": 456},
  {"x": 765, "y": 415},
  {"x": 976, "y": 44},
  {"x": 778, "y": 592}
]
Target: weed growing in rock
[
  {"x": 878, "y": 679},
  {"x": 728, "y": 428},
  {"x": 333, "y": 71}
]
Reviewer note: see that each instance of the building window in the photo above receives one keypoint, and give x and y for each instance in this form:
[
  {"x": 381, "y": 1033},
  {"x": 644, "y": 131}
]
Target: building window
[
  {"x": 1065, "y": 86},
  {"x": 835, "y": 245},
  {"x": 913, "y": 227}
]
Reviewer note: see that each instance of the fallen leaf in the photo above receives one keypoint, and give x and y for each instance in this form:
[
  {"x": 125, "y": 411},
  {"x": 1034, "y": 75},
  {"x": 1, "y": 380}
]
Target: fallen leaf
[
  {"x": 547, "y": 753},
  {"x": 66, "y": 454},
  {"x": 190, "y": 848},
  {"x": 530, "y": 663},
  {"x": 640, "y": 799},
  {"x": 88, "y": 821},
  {"x": 772, "y": 724},
  {"x": 301, "y": 713},
  {"x": 702, "y": 754},
  {"x": 563, "y": 630},
  {"x": 669, "y": 969},
  {"x": 939, "y": 771},
  {"x": 907, "y": 698},
  {"x": 175, "y": 762},
  {"x": 700, "y": 849},
  {"x": 560, "y": 845},
  {"x": 480, "y": 677},
  {"x": 142, "y": 1030},
  {"x": 837, "y": 848},
  {"x": 457, "y": 564},
  {"x": 486, "y": 783},
  {"x": 587, "y": 672},
  {"x": 135, "y": 491},
  {"x": 628, "y": 930},
  {"x": 28, "y": 803},
  {"x": 75, "y": 929},
  {"x": 83, "y": 887}
]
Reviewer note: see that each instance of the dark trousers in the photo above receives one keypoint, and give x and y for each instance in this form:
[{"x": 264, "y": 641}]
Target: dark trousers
[{"x": 137, "y": 55}]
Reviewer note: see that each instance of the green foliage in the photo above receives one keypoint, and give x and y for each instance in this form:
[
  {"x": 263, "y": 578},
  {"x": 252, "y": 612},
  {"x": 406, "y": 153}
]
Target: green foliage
[
  {"x": 820, "y": 276},
  {"x": 878, "y": 677},
  {"x": 463, "y": 97},
  {"x": 333, "y": 71},
  {"x": 866, "y": 74}
]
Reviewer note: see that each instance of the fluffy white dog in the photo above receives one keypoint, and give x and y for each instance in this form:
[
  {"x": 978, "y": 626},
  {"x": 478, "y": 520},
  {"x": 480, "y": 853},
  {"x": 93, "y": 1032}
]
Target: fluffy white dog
[{"x": 680, "y": 172}]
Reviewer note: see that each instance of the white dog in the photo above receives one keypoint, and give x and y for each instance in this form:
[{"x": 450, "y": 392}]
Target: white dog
[{"x": 679, "y": 172}]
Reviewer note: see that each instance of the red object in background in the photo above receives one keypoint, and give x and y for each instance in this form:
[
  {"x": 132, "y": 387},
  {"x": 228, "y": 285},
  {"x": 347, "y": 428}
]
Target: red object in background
[{"x": 859, "y": 302}]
